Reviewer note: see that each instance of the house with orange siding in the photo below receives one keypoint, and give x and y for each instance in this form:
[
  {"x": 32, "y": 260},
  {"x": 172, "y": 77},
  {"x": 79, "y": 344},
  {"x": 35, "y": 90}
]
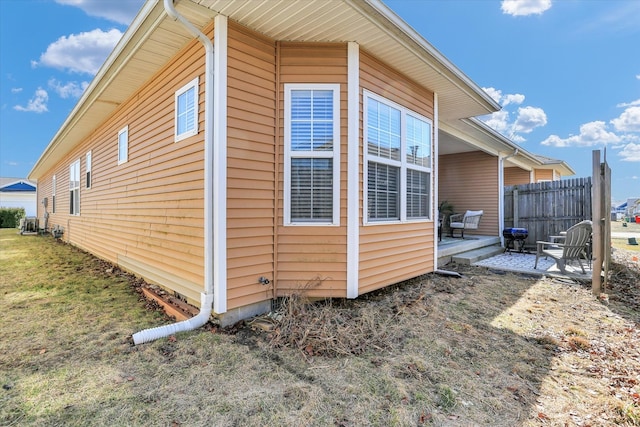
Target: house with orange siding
[
  {"x": 233, "y": 152},
  {"x": 536, "y": 168}
]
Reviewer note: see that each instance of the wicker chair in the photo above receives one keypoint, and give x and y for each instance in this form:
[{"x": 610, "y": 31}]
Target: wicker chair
[{"x": 470, "y": 220}]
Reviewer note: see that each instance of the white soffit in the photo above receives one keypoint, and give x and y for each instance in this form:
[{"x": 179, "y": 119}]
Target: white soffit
[{"x": 153, "y": 39}]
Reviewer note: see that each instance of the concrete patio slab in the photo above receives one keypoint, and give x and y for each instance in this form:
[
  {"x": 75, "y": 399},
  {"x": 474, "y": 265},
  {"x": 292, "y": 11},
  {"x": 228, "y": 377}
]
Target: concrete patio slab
[{"x": 524, "y": 262}]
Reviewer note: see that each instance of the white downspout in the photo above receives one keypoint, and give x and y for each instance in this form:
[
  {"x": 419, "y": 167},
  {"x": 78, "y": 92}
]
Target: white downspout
[
  {"x": 501, "y": 192},
  {"x": 206, "y": 297}
]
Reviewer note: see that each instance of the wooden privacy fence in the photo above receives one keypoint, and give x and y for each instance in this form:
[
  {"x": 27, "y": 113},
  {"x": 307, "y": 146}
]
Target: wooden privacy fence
[{"x": 547, "y": 208}]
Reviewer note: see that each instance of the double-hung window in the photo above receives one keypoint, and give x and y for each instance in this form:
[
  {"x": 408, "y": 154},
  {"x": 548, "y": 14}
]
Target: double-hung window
[
  {"x": 74, "y": 188},
  {"x": 398, "y": 161},
  {"x": 88, "y": 166},
  {"x": 312, "y": 144},
  {"x": 186, "y": 118},
  {"x": 123, "y": 145},
  {"x": 53, "y": 194}
]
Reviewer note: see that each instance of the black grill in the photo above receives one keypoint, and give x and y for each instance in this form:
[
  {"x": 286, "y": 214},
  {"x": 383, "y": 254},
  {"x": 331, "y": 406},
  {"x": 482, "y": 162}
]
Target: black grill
[{"x": 515, "y": 238}]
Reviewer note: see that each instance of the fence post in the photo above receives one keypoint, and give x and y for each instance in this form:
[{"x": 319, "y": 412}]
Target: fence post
[{"x": 596, "y": 207}]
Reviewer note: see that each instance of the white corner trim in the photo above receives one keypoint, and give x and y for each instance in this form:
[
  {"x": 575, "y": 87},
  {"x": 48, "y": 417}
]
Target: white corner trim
[
  {"x": 220, "y": 165},
  {"x": 436, "y": 179},
  {"x": 353, "y": 172}
]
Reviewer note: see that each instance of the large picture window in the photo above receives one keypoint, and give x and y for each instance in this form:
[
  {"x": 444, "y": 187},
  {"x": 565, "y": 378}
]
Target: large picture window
[
  {"x": 186, "y": 119},
  {"x": 312, "y": 144},
  {"x": 74, "y": 188},
  {"x": 398, "y": 155}
]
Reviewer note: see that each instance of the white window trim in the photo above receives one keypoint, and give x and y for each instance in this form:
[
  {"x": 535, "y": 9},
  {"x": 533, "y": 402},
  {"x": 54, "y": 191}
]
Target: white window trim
[
  {"x": 126, "y": 155},
  {"x": 289, "y": 154},
  {"x": 53, "y": 194},
  {"x": 88, "y": 173},
  {"x": 192, "y": 84},
  {"x": 402, "y": 163},
  {"x": 74, "y": 165}
]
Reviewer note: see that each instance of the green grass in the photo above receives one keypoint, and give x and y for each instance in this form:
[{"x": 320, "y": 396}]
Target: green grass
[{"x": 475, "y": 354}]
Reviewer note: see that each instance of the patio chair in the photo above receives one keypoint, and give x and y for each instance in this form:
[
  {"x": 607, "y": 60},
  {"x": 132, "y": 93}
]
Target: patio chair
[
  {"x": 574, "y": 247},
  {"x": 467, "y": 221}
]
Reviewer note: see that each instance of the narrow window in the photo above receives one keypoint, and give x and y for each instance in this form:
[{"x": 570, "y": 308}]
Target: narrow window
[
  {"x": 53, "y": 194},
  {"x": 88, "y": 173},
  {"x": 186, "y": 119},
  {"x": 74, "y": 188},
  {"x": 312, "y": 143},
  {"x": 123, "y": 145},
  {"x": 398, "y": 154}
]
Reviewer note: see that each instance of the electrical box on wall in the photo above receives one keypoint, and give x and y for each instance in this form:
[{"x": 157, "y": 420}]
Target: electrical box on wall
[{"x": 45, "y": 202}]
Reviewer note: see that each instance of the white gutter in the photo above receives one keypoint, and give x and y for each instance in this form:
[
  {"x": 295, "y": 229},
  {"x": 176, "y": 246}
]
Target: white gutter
[{"x": 206, "y": 297}]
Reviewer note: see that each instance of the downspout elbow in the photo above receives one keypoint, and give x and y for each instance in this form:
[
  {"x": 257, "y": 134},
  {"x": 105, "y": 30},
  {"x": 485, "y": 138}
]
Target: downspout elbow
[{"x": 152, "y": 334}]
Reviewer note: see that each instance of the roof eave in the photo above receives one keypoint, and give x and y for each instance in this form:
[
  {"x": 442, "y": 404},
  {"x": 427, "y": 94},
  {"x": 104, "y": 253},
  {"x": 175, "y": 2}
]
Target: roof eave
[{"x": 414, "y": 39}]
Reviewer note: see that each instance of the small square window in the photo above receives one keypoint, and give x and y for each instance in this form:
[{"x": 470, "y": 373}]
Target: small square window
[{"x": 186, "y": 119}]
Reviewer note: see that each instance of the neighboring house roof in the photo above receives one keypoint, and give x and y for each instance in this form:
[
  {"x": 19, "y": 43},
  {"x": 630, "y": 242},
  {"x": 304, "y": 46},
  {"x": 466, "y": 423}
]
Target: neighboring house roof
[
  {"x": 556, "y": 164},
  {"x": 153, "y": 39},
  {"x": 14, "y": 185},
  {"x": 493, "y": 142}
]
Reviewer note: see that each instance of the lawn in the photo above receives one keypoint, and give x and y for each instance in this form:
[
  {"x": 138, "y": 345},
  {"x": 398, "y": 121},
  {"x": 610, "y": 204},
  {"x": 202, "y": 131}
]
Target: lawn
[{"x": 487, "y": 349}]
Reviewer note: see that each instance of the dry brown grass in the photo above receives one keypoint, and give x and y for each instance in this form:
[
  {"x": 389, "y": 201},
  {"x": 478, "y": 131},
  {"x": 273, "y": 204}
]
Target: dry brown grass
[{"x": 487, "y": 349}]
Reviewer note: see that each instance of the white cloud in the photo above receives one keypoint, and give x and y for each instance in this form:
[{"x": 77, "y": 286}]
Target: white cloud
[
  {"x": 504, "y": 100},
  {"x": 515, "y": 98},
  {"x": 525, "y": 7},
  {"x": 16, "y": 89},
  {"x": 528, "y": 119},
  {"x": 591, "y": 134},
  {"x": 37, "y": 104},
  {"x": 629, "y": 120},
  {"x": 494, "y": 93},
  {"x": 69, "y": 89},
  {"x": 628, "y": 104},
  {"x": 120, "y": 11},
  {"x": 630, "y": 153},
  {"x": 81, "y": 53},
  {"x": 498, "y": 121}
]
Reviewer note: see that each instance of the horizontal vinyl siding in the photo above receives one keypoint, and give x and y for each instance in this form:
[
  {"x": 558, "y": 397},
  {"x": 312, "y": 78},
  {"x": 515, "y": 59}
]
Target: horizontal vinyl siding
[
  {"x": 543, "y": 175},
  {"x": 469, "y": 181},
  {"x": 516, "y": 176},
  {"x": 250, "y": 166},
  {"x": 391, "y": 253},
  {"x": 148, "y": 211},
  {"x": 306, "y": 254}
]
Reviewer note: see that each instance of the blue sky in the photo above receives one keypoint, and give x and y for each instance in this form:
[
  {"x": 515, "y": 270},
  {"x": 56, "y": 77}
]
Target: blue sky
[{"x": 567, "y": 72}]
